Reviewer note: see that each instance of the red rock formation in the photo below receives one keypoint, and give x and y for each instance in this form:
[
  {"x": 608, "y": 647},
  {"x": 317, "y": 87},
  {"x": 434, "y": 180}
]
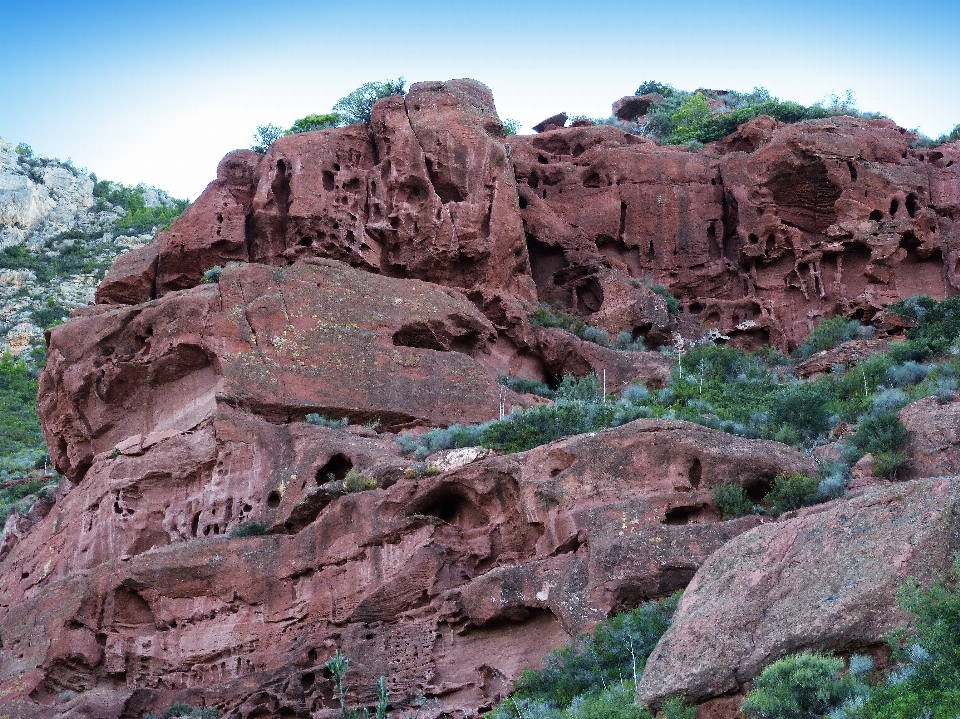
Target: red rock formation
[
  {"x": 447, "y": 585},
  {"x": 768, "y": 593},
  {"x": 387, "y": 273}
]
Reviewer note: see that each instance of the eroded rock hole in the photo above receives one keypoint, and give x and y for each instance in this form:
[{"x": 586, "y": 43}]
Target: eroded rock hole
[
  {"x": 445, "y": 508},
  {"x": 327, "y": 179},
  {"x": 876, "y": 215},
  {"x": 695, "y": 308},
  {"x": 696, "y": 473},
  {"x": 681, "y": 515},
  {"x": 894, "y": 206},
  {"x": 335, "y": 469},
  {"x": 419, "y": 335},
  {"x": 589, "y": 296},
  {"x": 306, "y": 680},
  {"x": 195, "y": 524},
  {"x": 273, "y": 500},
  {"x": 758, "y": 490},
  {"x": 305, "y": 242},
  {"x": 753, "y": 239},
  {"x": 911, "y": 205},
  {"x": 853, "y": 171},
  {"x": 523, "y": 203}
]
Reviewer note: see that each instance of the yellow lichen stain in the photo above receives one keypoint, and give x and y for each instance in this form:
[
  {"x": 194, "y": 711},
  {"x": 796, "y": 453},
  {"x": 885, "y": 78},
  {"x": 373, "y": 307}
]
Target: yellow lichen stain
[
  {"x": 282, "y": 487},
  {"x": 628, "y": 523}
]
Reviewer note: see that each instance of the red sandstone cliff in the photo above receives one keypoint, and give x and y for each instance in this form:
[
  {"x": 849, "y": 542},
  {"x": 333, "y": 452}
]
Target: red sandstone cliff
[{"x": 385, "y": 273}]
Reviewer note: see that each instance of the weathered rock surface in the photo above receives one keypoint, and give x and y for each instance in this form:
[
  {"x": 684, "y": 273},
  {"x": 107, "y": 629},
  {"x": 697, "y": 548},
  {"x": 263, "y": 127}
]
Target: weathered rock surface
[
  {"x": 770, "y": 592},
  {"x": 387, "y": 273},
  {"x": 934, "y": 445},
  {"x": 318, "y": 336},
  {"x": 132, "y": 593}
]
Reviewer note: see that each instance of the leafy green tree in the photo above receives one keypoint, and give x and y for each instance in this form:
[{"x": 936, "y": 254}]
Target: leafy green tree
[
  {"x": 511, "y": 127},
  {"x": 356, "y": 107},
  {"x": 689, "y": 119},
  {"x": 311, "y": 123},
  {"x": 265, "y": 136}
]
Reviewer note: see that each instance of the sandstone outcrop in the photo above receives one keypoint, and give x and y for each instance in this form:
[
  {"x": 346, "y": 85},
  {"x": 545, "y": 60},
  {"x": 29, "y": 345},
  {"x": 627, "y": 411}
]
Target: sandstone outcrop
[
  {"x": 934, "y": 445},
  {"x": 132, "y": 591},
  {"x": 769, "y": 592},
  {"x": 386, "y": 274}
]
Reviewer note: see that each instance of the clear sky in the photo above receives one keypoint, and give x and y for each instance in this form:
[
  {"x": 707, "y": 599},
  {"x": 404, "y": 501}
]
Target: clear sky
[{"x": 158, "y": 92}]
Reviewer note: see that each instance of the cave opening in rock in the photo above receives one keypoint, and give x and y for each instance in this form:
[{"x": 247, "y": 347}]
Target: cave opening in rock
[
  {"x": 682, "y": 515},
  {"x": 894, "y": 206},
  {"x": 273, "y": 500},
  {"x": 335, "y": 469}
]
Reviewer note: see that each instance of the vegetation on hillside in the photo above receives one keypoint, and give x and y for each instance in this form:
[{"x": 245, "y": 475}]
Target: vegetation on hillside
[
  {"x": 594, "y": 676},
  {"x": 924, "y": 680},
  {"x": 748, "y": 394},
  {"x": 53, "y": 262},
  {"x": 685, "y": 117},
  {"x": 352, "y": 109},
  {"x": 22, "y": 448}
]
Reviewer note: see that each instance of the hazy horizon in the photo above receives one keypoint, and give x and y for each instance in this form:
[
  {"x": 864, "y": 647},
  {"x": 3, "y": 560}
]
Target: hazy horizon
[{"x": 159, "y": 93}]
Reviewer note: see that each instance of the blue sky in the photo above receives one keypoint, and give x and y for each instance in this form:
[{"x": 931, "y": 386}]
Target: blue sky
[{"x": 159, "y": 92}]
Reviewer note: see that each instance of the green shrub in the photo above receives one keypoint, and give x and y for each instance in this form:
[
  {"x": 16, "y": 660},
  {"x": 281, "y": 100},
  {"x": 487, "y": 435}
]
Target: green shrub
[
  {"x": 732, "y": 501},
  {"x": 212, "y": 276},
  {"x": 828, "y": 334},
  {"x": 614, "y": 703},
  {"x": 688, "y": 121},
  {"x": 926, "y": 681},
  {"x": 265, "y": 136},
  {"x": 792, "y": 491},
  {"x": 527, "y": 386},
  {"x": 877, "y": 434},
  {"x": 312, "y": 123},
  {"x": 322, "y": 421},
  {"x": 800, "y": 686},
  {"x": 356, "y": 482},
  {"x": 616, "y": 652},
  {"x": 886, "y": 464},
  {"x": 803, "y": 408},
  {"x": 249, "y": 529},
  {"x": 673, "y": 304},
  {"x": 511, "y": 127},
  {"x": 338, "y": 665}
]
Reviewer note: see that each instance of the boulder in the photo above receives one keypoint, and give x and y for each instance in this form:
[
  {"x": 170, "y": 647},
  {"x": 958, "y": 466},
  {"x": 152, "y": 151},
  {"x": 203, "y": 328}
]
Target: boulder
[
  {"x": 934, "y": 445},
  {"x": 633, "y": 107},
  {"x": 769, "y": 592},
  {"x": 554, "y": 122}
]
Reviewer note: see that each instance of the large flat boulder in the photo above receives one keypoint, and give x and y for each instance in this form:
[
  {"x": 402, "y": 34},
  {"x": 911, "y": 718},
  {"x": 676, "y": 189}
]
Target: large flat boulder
[{"x": 824, "y": 581}]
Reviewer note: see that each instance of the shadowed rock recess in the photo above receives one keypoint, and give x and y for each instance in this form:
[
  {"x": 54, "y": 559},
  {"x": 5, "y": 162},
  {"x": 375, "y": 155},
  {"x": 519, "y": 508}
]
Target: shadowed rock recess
[{"x": 385, "y": 273}]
